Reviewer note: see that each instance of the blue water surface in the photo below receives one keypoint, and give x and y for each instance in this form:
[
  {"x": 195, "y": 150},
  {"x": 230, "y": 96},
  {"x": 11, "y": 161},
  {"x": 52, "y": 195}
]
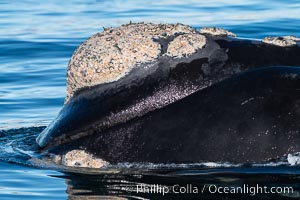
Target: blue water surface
[{"x": 37, "y": 39}]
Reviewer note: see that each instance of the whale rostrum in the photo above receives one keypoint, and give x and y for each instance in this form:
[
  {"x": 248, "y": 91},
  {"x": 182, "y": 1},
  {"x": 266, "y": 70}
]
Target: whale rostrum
[{"x": 142, "y": 74}]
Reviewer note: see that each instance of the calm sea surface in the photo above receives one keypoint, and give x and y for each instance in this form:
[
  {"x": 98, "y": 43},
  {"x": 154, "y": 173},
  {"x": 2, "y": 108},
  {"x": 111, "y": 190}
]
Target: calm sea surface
[{"x": 37, "y": 38}]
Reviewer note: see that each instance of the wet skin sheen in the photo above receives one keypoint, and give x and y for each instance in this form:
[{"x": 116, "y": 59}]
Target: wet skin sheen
[{"x": 238, "y": 119}]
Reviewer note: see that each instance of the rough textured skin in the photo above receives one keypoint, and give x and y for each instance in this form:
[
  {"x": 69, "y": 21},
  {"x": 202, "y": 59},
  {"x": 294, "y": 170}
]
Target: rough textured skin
[
  {"x": 185, "y": 45},
  {"x": 213, "y": 31},
  {"x": 111, "y": 54},
  {"x": 285, "y": 41},
  {"x": 80, "y": 158},
  {"x": 292, "y": 37}
]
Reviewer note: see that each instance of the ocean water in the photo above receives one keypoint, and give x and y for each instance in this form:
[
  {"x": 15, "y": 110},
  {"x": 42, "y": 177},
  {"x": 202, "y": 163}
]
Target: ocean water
[{"x": 37, "y": 39}]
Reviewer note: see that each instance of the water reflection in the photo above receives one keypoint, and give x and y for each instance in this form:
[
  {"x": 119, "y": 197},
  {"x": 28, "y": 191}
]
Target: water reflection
[{"x": 182, "y": 184}]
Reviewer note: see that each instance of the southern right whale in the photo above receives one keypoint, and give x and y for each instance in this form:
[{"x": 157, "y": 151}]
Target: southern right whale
[{"x": 122, "y": 77}]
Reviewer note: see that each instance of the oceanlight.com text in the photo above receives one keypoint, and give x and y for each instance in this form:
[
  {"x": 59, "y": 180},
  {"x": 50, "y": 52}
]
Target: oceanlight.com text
[{"x": 246, "y": 189}]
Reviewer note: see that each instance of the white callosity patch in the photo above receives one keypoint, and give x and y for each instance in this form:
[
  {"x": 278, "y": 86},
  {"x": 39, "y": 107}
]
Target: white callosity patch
[
  {"x": 282, "y": 41},
  {"x": 291, "y": 37},
  {"x": 293, "y": 159},
  {"x": 111, "y": 54},
  {"x": 186, "y": 44},
  {"x": 79, "y": 158},
  {"x": 213, "y": 31}
]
